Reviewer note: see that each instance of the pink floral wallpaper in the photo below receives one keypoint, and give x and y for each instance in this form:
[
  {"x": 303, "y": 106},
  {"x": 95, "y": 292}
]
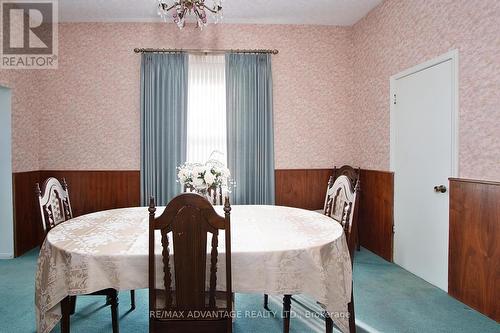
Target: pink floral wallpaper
[
  {"x": 400, "y": 34},
  {"x": 25, "y": 120},
  {"x": 93, "y": 98},
  {"x": 331, "y": 87}
]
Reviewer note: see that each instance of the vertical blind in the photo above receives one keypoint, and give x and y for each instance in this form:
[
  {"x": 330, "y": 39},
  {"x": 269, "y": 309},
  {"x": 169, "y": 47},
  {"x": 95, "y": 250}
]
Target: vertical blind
[{"x": 206, "y": 116}]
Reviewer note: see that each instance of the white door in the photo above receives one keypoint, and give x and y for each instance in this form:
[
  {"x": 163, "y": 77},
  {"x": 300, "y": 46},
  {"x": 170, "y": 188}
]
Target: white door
[
  {"x": 423, "y": 157},
  {"x": 6, "y": 208}
]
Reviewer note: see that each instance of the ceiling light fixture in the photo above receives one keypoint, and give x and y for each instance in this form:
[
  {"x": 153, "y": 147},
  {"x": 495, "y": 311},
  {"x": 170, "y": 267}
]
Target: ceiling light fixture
[{"x": 181, "y": 8}]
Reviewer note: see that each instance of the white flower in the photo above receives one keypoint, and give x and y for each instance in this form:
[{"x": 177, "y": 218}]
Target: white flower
[
  {"x": 201, "y": 177},
  {"x": 199, "y": 183},
  {"x": 183, "y": 175},
  {"x": 198, "y": 170},
  {"x": 209, "y": 178}
]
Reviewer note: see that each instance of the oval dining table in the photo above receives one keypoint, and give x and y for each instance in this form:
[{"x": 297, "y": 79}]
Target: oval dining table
[{"x": 275, "y": 250}]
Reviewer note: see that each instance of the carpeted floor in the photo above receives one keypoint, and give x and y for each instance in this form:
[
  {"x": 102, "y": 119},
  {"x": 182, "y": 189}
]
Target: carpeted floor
[{"x": 387, "y": 299}]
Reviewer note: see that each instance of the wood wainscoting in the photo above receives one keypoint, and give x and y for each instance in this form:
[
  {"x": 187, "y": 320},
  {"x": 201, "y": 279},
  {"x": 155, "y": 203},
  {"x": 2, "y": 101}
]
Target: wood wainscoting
[
  {"x": 90, "y": 191},
  {"x": 376, "y": 212},
  {"x": 28, "y": 231},
  {"x": 474, "y": 252},
  {"x": 474, "y": 255},
  {"x": 301, "y": 188},
  {"x": 306, "y": 188}
]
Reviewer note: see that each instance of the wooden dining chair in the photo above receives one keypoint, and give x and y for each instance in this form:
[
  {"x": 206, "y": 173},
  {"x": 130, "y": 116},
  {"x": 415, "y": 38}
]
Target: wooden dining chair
[
  {"x": 188, "y": 222},
  {"x": 54, "y": 203},
  {"x": 353, "y": 175},
  {"x": 341, "y": 204},
  {"x": 55, "y": 208},
  {"x": 348, "y": 171},
  {"x": 215, "y": 196}
]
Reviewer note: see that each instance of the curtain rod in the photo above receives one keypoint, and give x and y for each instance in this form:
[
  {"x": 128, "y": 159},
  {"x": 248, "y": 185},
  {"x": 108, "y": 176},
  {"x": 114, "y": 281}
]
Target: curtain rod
[{"x": 149, "y": 50}]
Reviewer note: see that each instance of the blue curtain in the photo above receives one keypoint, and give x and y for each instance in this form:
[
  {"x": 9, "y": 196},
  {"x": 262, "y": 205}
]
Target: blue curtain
[
  {"x": 250, "y": 143},
  {"x": 163, "y": 124}
]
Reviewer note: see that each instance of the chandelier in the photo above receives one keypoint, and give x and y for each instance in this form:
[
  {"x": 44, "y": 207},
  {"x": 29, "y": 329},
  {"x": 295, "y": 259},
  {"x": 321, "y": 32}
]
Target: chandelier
[{"x": 181, "y": 8}]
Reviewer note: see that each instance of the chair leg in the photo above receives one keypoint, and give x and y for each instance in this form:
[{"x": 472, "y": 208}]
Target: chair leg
[
  {"x": 132, "y": 299},
  {"x": 287, "y": 301},
  {"x": 328, "y": 323},
  {"x": 266, "y": 302},
  {"x": 352, "y": 321},
  {"x": 108, "y": 300},
  {"x": 65, "y": 311},
  {"x": 72, "y": 300},
  {"x": 114, "y": 311},
  {"x": 358, "y": 245}
]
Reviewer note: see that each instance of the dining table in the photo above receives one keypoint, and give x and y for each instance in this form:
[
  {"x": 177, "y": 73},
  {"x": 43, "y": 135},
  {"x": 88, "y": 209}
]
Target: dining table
[{"x": 276, "y": 250}]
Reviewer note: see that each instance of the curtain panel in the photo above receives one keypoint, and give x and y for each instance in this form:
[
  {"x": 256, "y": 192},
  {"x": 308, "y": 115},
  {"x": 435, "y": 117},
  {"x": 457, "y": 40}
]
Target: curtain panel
[
  {"x": 163, "y": 124},
  {"x": 250, "y": 142}
]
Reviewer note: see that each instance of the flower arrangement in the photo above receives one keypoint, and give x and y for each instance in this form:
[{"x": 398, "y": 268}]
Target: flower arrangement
[{"x": 204, "y": 177}]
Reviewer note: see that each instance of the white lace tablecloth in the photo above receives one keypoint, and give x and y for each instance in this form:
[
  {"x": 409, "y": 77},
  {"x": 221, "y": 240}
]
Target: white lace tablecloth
[{"x": 275, "y": 250}]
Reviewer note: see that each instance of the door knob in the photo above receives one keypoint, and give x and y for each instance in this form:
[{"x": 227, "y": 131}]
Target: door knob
[{"x": 440, "y": 188}]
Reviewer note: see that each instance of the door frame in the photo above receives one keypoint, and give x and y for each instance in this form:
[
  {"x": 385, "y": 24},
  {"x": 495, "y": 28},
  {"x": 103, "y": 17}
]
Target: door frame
[
  {"x": 7, "y": 226},
  {"x": 453, "y": 56},
  {"x": 449, "y": 56}
]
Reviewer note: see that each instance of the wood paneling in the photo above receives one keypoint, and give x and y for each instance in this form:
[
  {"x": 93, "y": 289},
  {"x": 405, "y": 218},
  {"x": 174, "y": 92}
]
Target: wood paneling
[
  {"x": 474, "y": 259},
  {"x": 306, "y": 188},
  {"x": 474, "y": 256},
  {"x": 376, "y": 208},
  {"x": 28, "y": 231},
  {"x": 90, "y": 191},
  {"x": 302, "y": 188}
]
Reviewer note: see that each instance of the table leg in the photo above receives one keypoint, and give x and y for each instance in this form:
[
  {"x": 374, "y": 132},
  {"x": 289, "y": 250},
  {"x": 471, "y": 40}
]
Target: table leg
[
  {"x": 132, "y": 299},
  {"x": 65, "y": 311},
  {"x": 114, "y": 311},
  {"x": 350, "y": 308},
  {"x": 287, "y": 302},
  {"x": 328, "y": 323},
  {"x": 72, "y": 300}
]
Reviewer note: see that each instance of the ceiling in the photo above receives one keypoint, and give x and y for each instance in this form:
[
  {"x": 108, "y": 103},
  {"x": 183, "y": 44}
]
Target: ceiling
[{"x": 321, "y": 12}]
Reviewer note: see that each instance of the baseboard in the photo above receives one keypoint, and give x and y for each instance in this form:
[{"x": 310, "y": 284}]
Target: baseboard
[{"x": 6, "y": 255}]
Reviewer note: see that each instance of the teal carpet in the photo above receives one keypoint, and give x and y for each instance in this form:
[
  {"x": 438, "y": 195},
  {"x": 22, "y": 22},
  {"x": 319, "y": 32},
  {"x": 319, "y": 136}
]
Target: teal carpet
[{"x": 387, "y": 299}]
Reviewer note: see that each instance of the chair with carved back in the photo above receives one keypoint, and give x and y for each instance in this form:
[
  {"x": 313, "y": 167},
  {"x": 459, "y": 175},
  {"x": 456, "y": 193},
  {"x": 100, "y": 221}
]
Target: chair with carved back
[
  {"x": 215, "y": 196},
  {"x": 53, "y": 199},
  {"x": 341, "y": 205},
  {"x": 353, "y": 175},
  {"x": 349, "y": 172},
  {"x": 55, "y": 208},
  {"x": 181, "y": 290}
]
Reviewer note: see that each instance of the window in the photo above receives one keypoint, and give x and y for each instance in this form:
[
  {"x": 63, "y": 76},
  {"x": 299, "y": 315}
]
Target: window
[{"x": 206, "y": 115}]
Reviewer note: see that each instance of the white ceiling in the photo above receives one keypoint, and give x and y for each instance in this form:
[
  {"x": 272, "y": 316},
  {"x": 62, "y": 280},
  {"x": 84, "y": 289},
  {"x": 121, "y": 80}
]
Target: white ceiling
[{"x": 322, "y": 12}]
